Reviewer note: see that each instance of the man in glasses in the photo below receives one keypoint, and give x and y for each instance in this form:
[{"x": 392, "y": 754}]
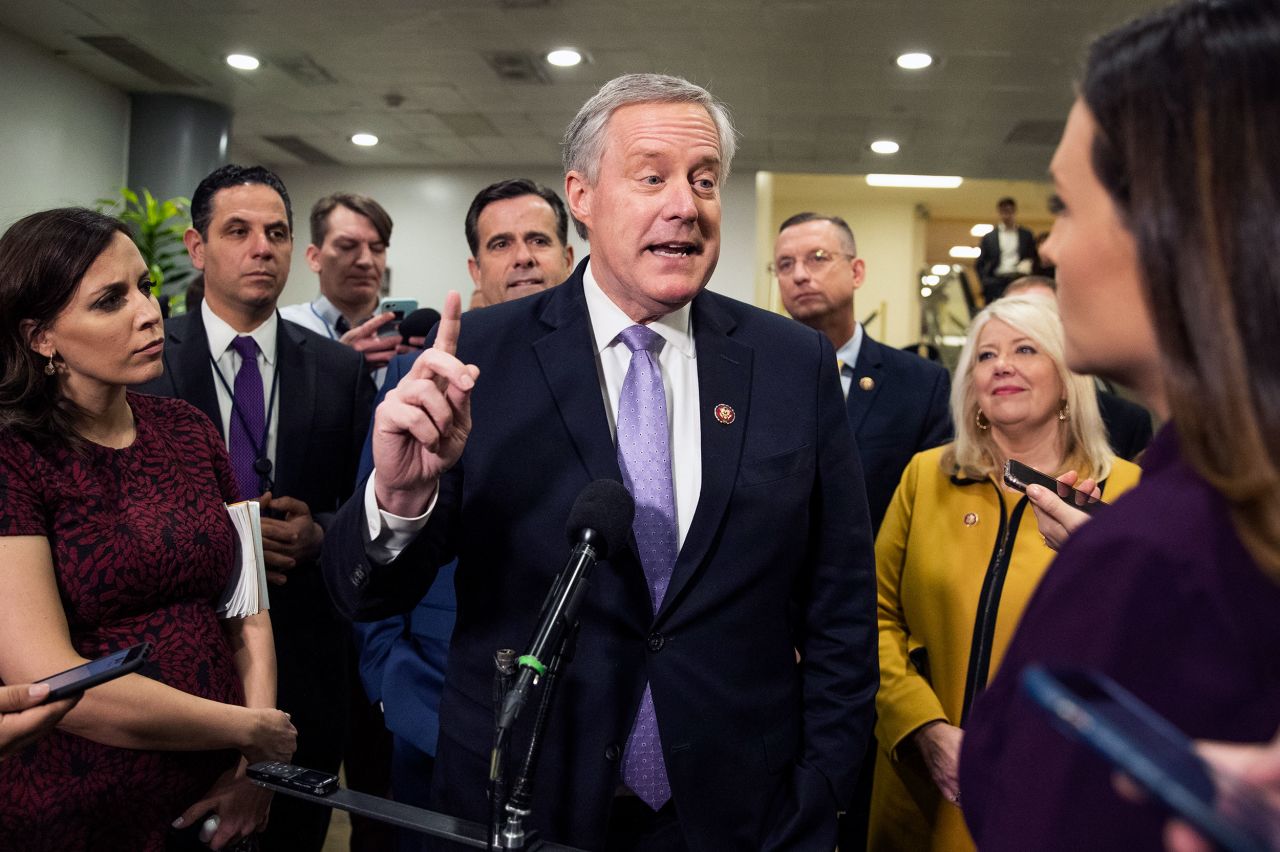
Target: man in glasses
[{"x": 897, "y": 401}]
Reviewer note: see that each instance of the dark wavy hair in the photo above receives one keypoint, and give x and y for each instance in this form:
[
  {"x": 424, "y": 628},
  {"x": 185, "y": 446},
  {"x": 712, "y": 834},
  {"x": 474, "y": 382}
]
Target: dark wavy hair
[
  {"x": 514, "y": 188},
  {"x": 1187, "y": 105},
  {"x": 43, "y": 257}
]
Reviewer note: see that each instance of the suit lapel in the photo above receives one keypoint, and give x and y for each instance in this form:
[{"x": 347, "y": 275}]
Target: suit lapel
[
  {"x": 870, "y": 365},
  {"x": 567, "y": 359},
  {"x": 190, "y": 367},
  {"x": 724, "y": 376},
  {"x": 296, "y": 402}
]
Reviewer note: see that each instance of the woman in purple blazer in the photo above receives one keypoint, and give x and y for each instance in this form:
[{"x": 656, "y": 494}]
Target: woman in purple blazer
[{"x": 1167, "y": 246}]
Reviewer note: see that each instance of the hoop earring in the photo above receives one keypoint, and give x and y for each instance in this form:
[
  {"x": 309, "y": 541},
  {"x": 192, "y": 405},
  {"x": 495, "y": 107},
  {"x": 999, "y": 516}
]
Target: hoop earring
[
  {"x": 981, "y": 420},
  {"x": 1064, "y": 410},
  {"x": 49, "y": 369}
]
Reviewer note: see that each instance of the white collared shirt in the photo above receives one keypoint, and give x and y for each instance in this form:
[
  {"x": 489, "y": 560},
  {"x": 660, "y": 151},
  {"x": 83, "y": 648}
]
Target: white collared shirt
[
  {"x": 226, "y": 362},
  {"x": 1008, "y": 238},
  {"x": 679, "y": 363},
  {"x": 848, "y": 355},
  {"x": 320, "y": 316},
  {"x": 389, "y": 534}
]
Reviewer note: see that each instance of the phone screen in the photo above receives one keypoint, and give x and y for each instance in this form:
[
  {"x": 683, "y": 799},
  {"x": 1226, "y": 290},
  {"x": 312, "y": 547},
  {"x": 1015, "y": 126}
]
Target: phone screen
[
  {"x": 76, "y": 680},
  {"x": 1095, "y": 710}
]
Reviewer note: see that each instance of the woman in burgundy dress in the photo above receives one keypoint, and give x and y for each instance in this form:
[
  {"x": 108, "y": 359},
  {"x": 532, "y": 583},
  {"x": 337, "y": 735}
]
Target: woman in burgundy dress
[{"x": 113, "y": 532}]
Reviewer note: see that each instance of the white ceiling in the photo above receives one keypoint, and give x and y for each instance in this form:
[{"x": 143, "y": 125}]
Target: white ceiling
[{"x": 810, "y": 82}]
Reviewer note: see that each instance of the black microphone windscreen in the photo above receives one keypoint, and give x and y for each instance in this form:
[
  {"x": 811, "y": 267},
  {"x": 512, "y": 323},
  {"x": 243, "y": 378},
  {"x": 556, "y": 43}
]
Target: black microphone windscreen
[
  {"x": 605, "y": 507},
  {"x": 419, "y": 323}
]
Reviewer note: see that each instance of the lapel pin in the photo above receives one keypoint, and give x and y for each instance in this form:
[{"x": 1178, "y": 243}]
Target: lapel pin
[
  {"x": 725, "y": 414},
  {"x": 867, "y": 383},
  {"x": 970, "y": 519}
]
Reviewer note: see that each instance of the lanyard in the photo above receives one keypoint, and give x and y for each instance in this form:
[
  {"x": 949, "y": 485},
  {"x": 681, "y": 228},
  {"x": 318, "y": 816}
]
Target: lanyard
[
  {"x": 324, "y": 322},
  {"x": 261, "y": 464}
]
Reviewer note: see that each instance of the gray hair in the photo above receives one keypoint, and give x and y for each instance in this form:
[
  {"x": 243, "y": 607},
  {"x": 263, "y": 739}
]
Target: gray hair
[{"x": 583, "y": 144}]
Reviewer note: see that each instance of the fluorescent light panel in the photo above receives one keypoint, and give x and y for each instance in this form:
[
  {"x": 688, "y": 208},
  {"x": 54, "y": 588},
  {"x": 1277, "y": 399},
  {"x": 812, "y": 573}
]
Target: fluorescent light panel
[
  {"x": 965, "y": 252},
  {"x": 982, "y": 230},
  {"x": 916, "y": 181}
]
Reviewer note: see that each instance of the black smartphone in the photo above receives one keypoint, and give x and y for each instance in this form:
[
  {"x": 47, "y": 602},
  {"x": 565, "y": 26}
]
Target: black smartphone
[
  {"x": 1093, "y": 709},
  {"x": 1018, "y": 476},
  {"x": 76, "y": 680},
  {"x": 311, "y": 781}
]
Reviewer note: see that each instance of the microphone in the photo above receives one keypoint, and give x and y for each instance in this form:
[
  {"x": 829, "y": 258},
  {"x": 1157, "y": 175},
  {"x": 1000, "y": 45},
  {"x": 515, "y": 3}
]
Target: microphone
[
  {"x": 599, "y": 524},
  {"x": 418, "y": 324}
]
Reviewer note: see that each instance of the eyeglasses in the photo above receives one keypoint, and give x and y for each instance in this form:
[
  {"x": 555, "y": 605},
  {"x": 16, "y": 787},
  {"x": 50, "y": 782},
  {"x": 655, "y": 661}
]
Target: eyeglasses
[{"x": 815, "y": 261}]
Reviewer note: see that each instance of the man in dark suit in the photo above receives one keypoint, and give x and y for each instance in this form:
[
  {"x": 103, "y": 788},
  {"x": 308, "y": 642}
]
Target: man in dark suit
[
  {"x": 518, "y": 232},
  {"x": 1008, "y": 251},
  {"x": 294, "y": 435},
  {"x": 897, "y": 401},
  {"x": 686, "y": 721}
]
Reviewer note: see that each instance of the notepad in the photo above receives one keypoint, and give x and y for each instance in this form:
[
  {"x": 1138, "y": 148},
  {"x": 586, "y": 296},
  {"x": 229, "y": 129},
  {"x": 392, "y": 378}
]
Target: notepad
[{"x": 246, "y": 593}]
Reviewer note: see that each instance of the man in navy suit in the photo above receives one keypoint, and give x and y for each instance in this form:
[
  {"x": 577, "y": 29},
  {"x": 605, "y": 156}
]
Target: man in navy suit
[
  {"x": 315, "y": 403},
  {"x": 897, "y": 401},
  {"x": 518, "y": 232},
  {"x": 744, "y": 680}
]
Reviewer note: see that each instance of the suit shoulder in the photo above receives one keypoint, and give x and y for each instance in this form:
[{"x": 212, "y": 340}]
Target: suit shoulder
[
  {"x": 758, "y": 323},
  {"x": 177, "y": 325},
  {"x": 911, "y": 362},
  {"x": 325, "y": 349}
]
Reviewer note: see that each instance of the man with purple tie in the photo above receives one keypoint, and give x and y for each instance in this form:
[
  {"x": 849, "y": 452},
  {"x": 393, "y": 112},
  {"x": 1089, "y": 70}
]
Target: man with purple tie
[
  {"x": 293, "y": 407},
  {"x": 687, "y": 719}
]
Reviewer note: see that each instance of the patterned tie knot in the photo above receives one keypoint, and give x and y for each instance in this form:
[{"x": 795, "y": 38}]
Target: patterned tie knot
[
  {"x": 246, "y": 346},
  {"x": 638, "y": 337}
]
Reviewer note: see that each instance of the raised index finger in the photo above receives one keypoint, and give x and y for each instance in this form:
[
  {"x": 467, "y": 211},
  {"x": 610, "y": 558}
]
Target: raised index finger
[{"x": 450, "y": 324}]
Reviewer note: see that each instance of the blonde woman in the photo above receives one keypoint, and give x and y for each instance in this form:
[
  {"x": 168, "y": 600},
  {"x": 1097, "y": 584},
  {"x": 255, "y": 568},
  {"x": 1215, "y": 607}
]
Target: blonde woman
[{"x": 959, "y": 554}]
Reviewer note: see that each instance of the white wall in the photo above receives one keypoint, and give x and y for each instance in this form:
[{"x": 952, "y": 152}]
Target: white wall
[
  {"x": 64, "y": 136},
  {"x": 428, "y": 253}
]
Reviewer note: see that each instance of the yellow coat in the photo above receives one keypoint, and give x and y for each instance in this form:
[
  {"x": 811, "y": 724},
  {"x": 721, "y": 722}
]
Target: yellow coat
[{"x": 972, "y": 543}]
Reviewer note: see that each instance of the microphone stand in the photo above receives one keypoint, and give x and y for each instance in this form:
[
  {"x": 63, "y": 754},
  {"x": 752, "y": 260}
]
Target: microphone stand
[
  {"x": 520, "y": 805},
  {"x": 504, "y": 661}
]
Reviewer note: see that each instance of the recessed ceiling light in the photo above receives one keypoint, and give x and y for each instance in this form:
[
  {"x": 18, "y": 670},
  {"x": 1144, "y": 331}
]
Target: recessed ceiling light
[
  {"x": 941, "y": 269},
  {"x": 914, "y": 61},
  {"x": 918, "y": 181},
  {"x": 981, "y": 230},
  {"x": 965, "y": 252},
  {"x": 243, "y": 61},
  {"x": 884, "y": 146},
  {"x": 931, "y": 280},
  {"x": 924, "y": 292},
  {"x": 364, "y": 140},
  {"x": 565, "y": 57}
]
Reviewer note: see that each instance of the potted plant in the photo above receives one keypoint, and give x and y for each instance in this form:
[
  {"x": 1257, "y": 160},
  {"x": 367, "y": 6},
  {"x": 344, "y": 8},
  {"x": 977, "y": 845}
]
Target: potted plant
[{"x": 157, "y": 228}]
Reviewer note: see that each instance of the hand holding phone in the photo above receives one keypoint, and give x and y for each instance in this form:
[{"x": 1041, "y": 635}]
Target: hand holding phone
[
  {"x": 76, "y": 680},
  {"x": 1018, "y": 476},
  {"x": 401, "y": 308},
  {"x": 1093, "y": 709}
]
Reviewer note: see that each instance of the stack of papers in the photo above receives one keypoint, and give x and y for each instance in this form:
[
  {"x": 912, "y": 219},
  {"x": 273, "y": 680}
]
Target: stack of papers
[{"x": 246, "y": 593}]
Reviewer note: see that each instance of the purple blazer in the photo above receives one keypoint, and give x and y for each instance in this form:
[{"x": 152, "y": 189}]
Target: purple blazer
[{"x": 1159, "y": 593}]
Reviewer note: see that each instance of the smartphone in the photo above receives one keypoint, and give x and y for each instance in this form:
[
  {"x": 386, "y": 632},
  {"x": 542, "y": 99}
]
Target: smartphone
[
  {"x": 401, "y": 308},
  {"x": 1018, "y": 476},
  {"x": 1093, "y": 709},
  {"x": 76, "y": 680},
  {"x": 311, "y": 781}
]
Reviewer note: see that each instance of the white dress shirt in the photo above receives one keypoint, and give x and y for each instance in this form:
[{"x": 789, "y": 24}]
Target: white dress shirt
[
  {"x": 1008, "y": 238},
  {"x": 848, "y": 355},
  {"x": 320, "y": 316},
  {"x": 389, "y": 534},
  {"x": 226, "y": 362}
]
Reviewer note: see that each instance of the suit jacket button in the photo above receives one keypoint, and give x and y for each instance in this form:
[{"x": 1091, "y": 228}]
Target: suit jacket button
[
  {"x": 656, "y": 641},
  {"x": 612, "y": 753},
  {"x": 358, "y": 576}
]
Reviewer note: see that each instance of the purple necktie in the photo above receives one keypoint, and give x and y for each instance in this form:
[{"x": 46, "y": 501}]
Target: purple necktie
[
  {"x": 645, "y": 459},
  {"x": 248, "y": 435}
]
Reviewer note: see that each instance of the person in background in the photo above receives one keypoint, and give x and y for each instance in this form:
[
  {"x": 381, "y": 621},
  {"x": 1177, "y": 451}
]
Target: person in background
[
  {"x": 1168, "y": 272},
  {"x": 350, "y": 235},
  {"x": 113, "y": 532},
  {"x": 896, "y": 401},
  {"x": 958, "y": 557},
  {"x": 293, "y": 407},
  {"x": 518, "y": 233},
  {"x": 1007, "y": 251}
]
